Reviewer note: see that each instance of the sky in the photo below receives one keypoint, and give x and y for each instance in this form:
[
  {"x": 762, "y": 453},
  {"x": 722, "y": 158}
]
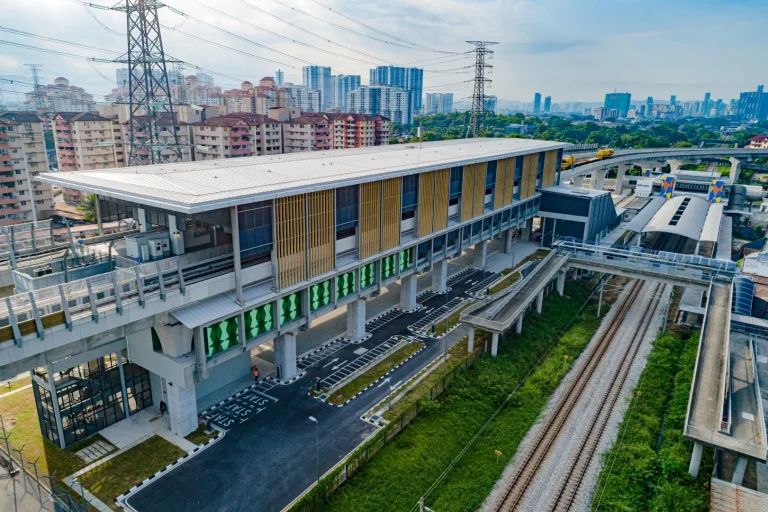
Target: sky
[{"x": 573, "y": 50}]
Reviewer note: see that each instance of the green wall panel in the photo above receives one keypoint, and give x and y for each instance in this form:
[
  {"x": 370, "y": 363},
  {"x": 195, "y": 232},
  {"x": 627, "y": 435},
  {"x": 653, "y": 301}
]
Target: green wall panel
[
  {"x": 221, "y": 336},
  {"x": 319, "y": 295},
  {"x": 367, "y": 276},
  {"x": 345, "y": 285},
  {"x": 290, "y": 308},
  {"x": 258, "y": 321},
  {"x": 388, "y": 268}
]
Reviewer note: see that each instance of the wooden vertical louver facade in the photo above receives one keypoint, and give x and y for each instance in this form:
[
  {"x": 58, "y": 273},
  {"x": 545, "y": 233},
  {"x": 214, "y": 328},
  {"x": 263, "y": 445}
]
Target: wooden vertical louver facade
[
  {"x": 467, "y": 192},
  {"x": 322, "y": 228},
  {"x": 426, "y": 207},
  {"x": 498, "y": 198},
  {"x": 390, "y": 217},
  {"x": 550, "y": 167},
  {"x": 442, "y": 185},
  {"x": 370, "y": 219},
  {"x": 528, "y": 183},
  {"x": 509, "y": 180},
  {"x": 480, "y": 175},
  {"x": 291, "y": 240}
]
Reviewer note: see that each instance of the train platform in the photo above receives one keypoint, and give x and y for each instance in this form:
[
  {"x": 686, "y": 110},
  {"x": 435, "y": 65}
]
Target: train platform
[{"x": 724, "y": 411}]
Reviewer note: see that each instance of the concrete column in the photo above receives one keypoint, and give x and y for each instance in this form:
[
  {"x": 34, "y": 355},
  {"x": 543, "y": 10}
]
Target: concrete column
[
  {"x": 519, "y": 324},
  {"x": 408, "y": 288},
  {"x": 99, "y": 223},
  {"x": 561, "y": 282},
  {"x": 142, "y": 220},
  {"x": 236, "y": 253},
  {"x": 738, "y": 472},
  {"x": 494, "y": 344},
  {"x": 539, "y": 301},
  {"x": 735, "y": 169},
  {"x": 182, "y": 405},
  {"x": 471, "y": 340},
  {"x": 693, "y": 468},
  {"x": 509, "y": 239},
  {"x": 285, "y": 355},
  {"x": 598, "y": 180},
  {"x": 200, "y": 357},
  {"x": 356, "y": 320},
  {"x": 479, "y": 254},
  {"x": 440, "y": 276},
  {"x": 620, "y": 175},
  {"x": 578, "y": 181},
  {"x": 55, "y": 404},
  {"x": 177, "y": 236},
  {"x": 120, "y": 369},
  {"x": 527, "y": 233}
]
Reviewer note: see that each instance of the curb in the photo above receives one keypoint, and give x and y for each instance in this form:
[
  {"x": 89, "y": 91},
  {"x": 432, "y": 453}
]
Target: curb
[{"x": 286, "y": 382}]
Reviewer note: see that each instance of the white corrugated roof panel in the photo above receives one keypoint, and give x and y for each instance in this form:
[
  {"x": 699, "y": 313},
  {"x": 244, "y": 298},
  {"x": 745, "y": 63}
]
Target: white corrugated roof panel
[
  {"x": 689, "y": 223},
  {"x": 206, "y": 311},
  {"x": 193, "y": 187},
  {"x": 711, "y": 230},
  {"x": 649, "y": 210}
]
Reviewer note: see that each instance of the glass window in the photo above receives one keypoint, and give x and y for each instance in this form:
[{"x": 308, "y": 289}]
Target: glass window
[
  {"x": 518, "y": 177},
  {"x": 558, "y": 165},
  {"x": 410, "y": 194},
  {"x": 539, "y": 169},
  {"x": 255, "y": 224},
  {"x": 457, "y": 174},
  {"x": 346, "y": 211}
]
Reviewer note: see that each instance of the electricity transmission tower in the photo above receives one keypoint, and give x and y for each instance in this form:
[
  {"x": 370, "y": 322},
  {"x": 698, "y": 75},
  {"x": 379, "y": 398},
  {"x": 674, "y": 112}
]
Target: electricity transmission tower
[
  {"x": 153, "y": 136},
  {"x": 482, "y": 53},
  {"x": 39, "y": 99}
]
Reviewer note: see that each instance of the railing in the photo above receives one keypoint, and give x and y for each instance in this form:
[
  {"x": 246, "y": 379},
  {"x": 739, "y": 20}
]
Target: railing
[{"x": 758, "y": 396}]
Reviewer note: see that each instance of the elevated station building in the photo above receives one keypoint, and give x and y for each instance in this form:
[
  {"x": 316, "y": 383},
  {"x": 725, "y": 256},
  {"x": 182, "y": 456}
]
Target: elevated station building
[{"x": 233, "y": 254}]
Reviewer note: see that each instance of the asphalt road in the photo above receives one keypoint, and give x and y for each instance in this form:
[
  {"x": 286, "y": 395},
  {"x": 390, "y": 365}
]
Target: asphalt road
[{"x": 268, "y": 456}]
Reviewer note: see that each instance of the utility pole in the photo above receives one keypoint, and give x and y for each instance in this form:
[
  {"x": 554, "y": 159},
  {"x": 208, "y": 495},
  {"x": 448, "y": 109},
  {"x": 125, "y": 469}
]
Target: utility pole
[
  {"x": 482, "y": 53},
  {"x": 39, "y": 100},
  {"x": 153, "y": 137}
]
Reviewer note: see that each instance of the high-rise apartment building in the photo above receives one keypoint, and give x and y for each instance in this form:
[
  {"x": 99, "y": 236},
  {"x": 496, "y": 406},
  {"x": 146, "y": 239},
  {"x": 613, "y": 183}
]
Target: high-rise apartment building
[
  {"x": 649, "y": 107},
  {"x": 390, "y": 102},
  {"x": 673, "y": 100},
  {"x": 304, "y": 97},
  {"x": 306, "y": 133},
  {"x": 438, "y": 103},
  {"x": 341, "y": 85},
  {"x": 318, "y": 78},
  {"x": 279, "y": 78},
  {"x": 489, "y": 104},
  {"x": 62, "y": 97},
  {"x": 237, "y": 136},
  {"x": 536, "y": 103},
  {"x": 22, "y": 158},
  {"x": 548, "y": 104},
  {"x": 205, "y": 78},
  {"x": 409, "y": 79},
  {"x": 753, "y": 105},
  {"x": 618, "y": 100},
  {"x": 706, "y": 105}
]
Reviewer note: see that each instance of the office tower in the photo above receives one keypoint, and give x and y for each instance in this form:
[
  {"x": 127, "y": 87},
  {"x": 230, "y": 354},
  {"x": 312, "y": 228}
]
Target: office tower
[
  {"x": 536, "y": 103},
  {"x": 318, "y": 78},
  {"x": 673, "y": 100},
  {"x": 341, "y": 85},
  {"x": 706, "y": 106},
  {"x": 279, "y": 78},
  {"x": 547, "y": 103},
  {"x": 489, "y": 105},
  {"x": 649, "y": 107},
  {"x": 409, "y": 79},
  {"x": 753, "y": 105},
  {"x": 619, "y": 101},
  {"x": 438, "y": 103}
]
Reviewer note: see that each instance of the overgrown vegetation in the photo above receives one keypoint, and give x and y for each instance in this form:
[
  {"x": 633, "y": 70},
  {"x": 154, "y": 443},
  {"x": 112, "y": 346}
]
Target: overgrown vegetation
[
  {"x": 442, "y": 326},
  {"x": 647, "y": 469},
  {"x": 112, "y": 478},
  {"x": 403, "y": 470},
  {"x": 199, "y": 436},
  {"x": 362, "y": 381}
]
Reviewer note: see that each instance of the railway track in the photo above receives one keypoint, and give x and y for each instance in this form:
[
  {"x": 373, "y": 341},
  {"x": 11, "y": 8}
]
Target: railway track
[{"x": 550, "y": 432}]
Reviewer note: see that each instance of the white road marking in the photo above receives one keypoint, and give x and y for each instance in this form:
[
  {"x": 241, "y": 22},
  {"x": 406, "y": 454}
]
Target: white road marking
[
  {"x": 331, "y": 362},
  {"x": 383, "y": 382},
  {"x": 360, "y": 351},
  {"x": 339, "y": 366}
]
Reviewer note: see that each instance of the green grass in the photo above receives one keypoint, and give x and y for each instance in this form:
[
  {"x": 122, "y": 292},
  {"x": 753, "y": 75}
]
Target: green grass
[
  {"x": 14, "y": 385},
  {"x": 648, "y": 468},
  {"x": 109, "y": 480},
  {"x": 403, "y": 470},
  {"x": 504, "y": 283},
  {"x": 443, "y": 325},
  {"x": 539, "y": 254},
  {"x": 199, "y": 436},
  {"x": 372, "y": 375}
]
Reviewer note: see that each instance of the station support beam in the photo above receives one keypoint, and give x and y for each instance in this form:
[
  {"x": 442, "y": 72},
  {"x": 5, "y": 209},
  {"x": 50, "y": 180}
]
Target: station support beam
[
  {"x": 408, "y": 290},
  {"x": 182, "y": 405},
  {"x": 509, "y": 240},
  {"x": 561, "y": 282},
  {"x": 285, "y": 355},
  {"x": 519, "y": 324},
  {"x": 527, "y": 233},
  {"x": 735, "y": 169},
  {"x": 620, "y": 175},
  {"x": 479, "y": 254},
  {"x": 440, "y": 276},
  {"x": 693, "y": 468},
  {"x": 578, "y": 181},
  {"x": 471, "y": 340},
  {"x": 739, "y": 470},
  {"x": 539, "y": 301},
  {"x": 356, "y": 320},
  {"x": 598, "y": 180},
  {"x": 494, "y": 344}
]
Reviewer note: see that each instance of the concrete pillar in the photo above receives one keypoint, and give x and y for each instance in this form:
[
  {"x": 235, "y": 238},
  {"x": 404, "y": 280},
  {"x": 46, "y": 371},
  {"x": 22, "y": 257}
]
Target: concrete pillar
[
  {"x": 236, "y": 252},
  {"x": 121, "y": 371},
  {"x": 561, "y": 282},
  {"x": 598, "y": 180},
  {"x": 693, "y": 467},
  {"x": 519, "y": 324},
  {"x": 527, "y": 233},
  {"x": 735, "y": 169},
  {"x": 509, "y": 240},
  {"x": 480, "y": 252},
  {"x": 356, "y": 320},
  {"x": 471, "y": 340},
  {"x": 182, "y": 405},
  {"x": 99, "y": 222},
  {"x": 177, "y": 236},
  {"x": 55, "y": 404},
  {"x": 142, "y": 220},
  {"x": 738, "y": 472},
  {"x": 494, "y": 344},
  {"x": 285, "y": 355},
  {"x": 440, "y": 276},
  {"x": 578, "y": 181},
  {"x": 408, "y": 287},
  {"x": 620, "y": 175},
  {"x": 539, "y": 301}
]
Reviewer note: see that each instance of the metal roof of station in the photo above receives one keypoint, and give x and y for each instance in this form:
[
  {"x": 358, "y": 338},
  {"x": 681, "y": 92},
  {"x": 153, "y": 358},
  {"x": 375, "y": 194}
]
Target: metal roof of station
[
  {"x": 688, "y": 216},
  {"x": 192, "y": 187}
]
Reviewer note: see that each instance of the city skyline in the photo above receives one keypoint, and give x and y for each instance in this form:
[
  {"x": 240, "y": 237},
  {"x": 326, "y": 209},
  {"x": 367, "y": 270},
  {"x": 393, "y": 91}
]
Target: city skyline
[{"x": 541, "y": 47}]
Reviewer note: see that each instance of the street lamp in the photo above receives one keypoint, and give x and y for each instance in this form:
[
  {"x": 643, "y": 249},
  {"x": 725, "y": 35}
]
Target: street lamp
[{"x": 317, "y": 444}]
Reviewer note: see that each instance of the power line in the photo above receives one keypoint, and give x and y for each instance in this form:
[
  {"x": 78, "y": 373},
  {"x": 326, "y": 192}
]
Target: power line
[
  {"x": 353, "y": 20},
  {"x": 54, "y": 40},
  {"x": 53, "y": 52},
  {"x": 39, "y": 100},
  {"x": 103, "y": 25},
  {"x": 478, "y": 97}
]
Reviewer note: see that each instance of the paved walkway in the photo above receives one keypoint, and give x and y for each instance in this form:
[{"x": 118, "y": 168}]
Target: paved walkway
[{"x": 145, "y": 423}]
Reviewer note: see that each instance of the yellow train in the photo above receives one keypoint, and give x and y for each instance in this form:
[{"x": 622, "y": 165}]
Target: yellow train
[
  {"x": 570, "y": 160},
  {"x": 605, "y": 153}
]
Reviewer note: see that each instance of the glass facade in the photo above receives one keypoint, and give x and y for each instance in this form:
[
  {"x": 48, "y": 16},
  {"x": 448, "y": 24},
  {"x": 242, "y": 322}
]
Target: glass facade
[
  {"x": 406, "y": 259},
  {"x": 346, "y": 211},
  {"x": 518, "y": 177},
  {"x": 410, "y": 196},
  {"x": 90, "y": 397},
  {"x": 539, "y": 169},
  {"x": 490, "y": 184},
  {"x": 255, "y": 223}
]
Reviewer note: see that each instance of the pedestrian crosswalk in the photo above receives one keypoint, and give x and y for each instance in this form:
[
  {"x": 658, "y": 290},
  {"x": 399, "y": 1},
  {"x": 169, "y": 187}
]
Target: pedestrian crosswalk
[
  {"x": 348, "y": 368},
  {"x": 320, "y": 354},
  {"x": 481, "y": 286},
  {"x": 427, "y": 319}
]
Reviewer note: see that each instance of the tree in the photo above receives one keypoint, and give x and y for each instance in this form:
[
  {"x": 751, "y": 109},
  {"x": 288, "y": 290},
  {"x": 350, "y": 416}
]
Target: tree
[{"x": 88, "y": 208}]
